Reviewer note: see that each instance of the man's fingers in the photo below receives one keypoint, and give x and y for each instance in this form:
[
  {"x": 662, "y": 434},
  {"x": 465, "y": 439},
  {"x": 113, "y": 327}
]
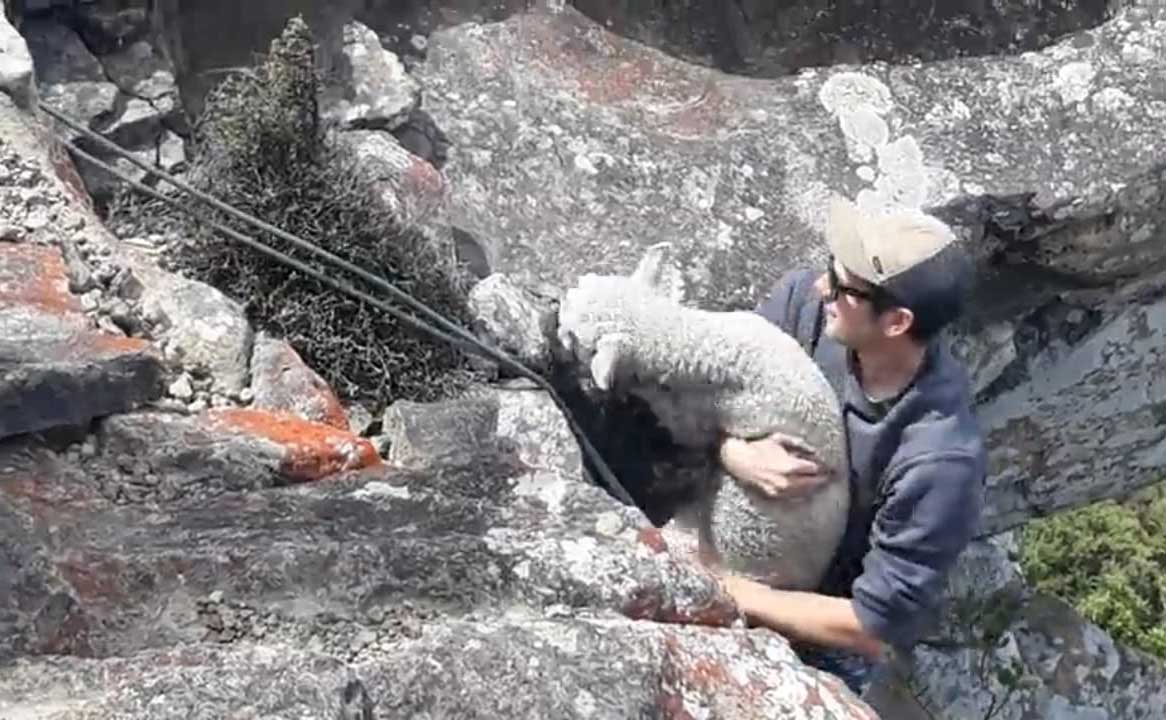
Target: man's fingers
[
  {"x": 801, "y": 467},
  {"x": 793, "y": 444},
  {"x": 772, "y": 488},
  {"x": 802, "y": 485}
]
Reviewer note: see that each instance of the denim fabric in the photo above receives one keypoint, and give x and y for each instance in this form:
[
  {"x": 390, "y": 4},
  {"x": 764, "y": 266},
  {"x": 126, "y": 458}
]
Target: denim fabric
[{"x": 853, "y": 669}]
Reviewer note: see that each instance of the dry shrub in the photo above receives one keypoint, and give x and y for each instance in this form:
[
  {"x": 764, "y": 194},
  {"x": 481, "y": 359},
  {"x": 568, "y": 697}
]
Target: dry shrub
[{"x": 260, "y": 147}]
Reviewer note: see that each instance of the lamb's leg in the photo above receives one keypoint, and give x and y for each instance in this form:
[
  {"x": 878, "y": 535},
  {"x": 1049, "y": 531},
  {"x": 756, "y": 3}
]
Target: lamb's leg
[
  {"x": 690, "y": 528},
  {"x": 689, "y": 537}
]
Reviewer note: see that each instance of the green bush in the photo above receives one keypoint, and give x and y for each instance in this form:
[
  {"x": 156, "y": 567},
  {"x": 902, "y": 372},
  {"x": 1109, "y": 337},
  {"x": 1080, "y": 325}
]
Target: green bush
[
  {"x": 1109, "y": 560},
  {"x": 260, "y": 146}
]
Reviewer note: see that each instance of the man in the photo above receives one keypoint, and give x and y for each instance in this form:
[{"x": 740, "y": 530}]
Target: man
[{"x": 871, "y": 320}]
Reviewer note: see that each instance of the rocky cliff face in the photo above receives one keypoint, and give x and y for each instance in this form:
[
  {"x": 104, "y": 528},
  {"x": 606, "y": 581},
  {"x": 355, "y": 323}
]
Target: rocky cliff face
[{"x": 192, "y": 505}]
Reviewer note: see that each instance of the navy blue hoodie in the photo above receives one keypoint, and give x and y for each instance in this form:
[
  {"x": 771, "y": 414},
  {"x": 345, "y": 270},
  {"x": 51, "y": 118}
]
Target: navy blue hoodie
[{"x": 917, "y": 474}]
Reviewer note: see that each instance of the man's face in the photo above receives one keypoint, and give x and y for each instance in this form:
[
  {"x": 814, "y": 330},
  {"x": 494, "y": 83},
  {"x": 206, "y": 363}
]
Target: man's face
[{"x": 852, "y": 317}]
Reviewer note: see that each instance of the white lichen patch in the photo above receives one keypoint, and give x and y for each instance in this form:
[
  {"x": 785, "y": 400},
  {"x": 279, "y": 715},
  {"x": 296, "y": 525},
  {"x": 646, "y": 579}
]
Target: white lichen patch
[
  {"x": 1112, "y": 101},
  {"x": 950, "y": 111},
  {"x": 1134, "y": 54},
  {"x": 724, "y": 239},
  {"x": 700, "y": 188},
  {"x": 808, "y": 195},
  {"x": 377, "y": 489},
  {"x": 789, "y": 695},
  {"x": 865, "y": 126},
  {"x": 1074, "y": 81},
  {"x": 847, "y": 91},
  {"x": 579, "y": 554},
  {"x": 584, "y": 704},
  {"x": 548, "y": 487},
  {"x": 860, "y": 103}
]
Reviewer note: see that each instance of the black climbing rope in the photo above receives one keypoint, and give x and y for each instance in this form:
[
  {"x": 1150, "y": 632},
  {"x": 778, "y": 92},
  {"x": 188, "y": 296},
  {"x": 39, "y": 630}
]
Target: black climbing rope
[{"x": 449, "y": 331}]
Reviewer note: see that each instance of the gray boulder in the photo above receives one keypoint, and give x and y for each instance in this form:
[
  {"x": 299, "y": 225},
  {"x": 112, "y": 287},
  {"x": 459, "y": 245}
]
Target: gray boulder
[
  {"x": 203, "y": 329},
  {"x": 144, "y": 74},
  {"x": 111, "y": 25},
  {"x": 421, "y": 434},
  {"x": 513, "y": 417},
  {"x": 153, "y": 456},
  {"x": 408, "y": 185},
  {"x": 282, "y": 381},
  {"x": 514, "y": 319},
  {"x": 756, "y": 37}
]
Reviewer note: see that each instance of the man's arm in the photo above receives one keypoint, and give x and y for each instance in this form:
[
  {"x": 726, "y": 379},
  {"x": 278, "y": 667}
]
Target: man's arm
[
  {"x": 931, "y": 515},
  {"x": 927, "y": 521},
  {"x": 819, "y": 619}
]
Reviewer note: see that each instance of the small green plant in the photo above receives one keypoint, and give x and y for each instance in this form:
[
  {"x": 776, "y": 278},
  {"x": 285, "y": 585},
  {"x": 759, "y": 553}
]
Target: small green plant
[
  {"x": 1109, "y": 561},
  {"x": 260, "y": 146}
]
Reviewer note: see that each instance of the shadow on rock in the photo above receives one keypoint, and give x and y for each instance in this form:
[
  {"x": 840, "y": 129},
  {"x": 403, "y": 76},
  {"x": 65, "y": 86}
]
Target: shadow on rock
[{"x": 778, "y": 37}]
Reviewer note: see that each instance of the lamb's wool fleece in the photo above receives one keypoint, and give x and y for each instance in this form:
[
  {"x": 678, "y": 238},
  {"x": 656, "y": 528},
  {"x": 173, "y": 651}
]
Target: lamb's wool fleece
[{"x": 705, "y": 374}]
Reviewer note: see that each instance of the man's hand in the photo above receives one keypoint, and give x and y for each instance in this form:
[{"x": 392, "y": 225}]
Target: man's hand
[{"x": 772, "y": 465}]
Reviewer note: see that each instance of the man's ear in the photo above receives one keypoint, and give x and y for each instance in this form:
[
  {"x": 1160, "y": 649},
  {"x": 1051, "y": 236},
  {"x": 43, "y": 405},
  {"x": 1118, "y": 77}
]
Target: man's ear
[{"x": 897, "y": 321}]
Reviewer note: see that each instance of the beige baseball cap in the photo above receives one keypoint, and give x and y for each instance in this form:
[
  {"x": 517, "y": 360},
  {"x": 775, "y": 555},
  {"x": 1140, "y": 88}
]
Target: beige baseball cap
[{"x": 911, "y": 254}]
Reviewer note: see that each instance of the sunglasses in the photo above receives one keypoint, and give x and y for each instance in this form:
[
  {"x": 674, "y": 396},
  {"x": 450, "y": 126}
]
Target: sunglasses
[{"x": 880, "y": 299}]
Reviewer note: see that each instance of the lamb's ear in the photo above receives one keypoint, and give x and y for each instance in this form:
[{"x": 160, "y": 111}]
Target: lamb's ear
[
  {"x": 603, "y": 363},
  {"x": 657, "y": 270}
]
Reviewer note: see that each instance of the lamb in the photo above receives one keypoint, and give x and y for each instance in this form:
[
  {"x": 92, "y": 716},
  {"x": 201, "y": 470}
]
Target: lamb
[{"x": 706, "y": 374}]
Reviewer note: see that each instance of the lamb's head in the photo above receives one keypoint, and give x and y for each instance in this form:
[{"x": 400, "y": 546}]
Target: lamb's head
[
  {"x": 595, "y": 317},
  {"x": 600, "y": 314}
]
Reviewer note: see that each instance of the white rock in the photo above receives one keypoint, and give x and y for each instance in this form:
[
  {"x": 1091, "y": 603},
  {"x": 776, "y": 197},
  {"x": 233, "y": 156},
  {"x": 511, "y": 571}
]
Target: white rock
[
  {"x": 208, "y": 330},
  {"x": 376, "y": 91},
  {"x": 16, "y": 68},
  {"x": 181, "y": 388}
]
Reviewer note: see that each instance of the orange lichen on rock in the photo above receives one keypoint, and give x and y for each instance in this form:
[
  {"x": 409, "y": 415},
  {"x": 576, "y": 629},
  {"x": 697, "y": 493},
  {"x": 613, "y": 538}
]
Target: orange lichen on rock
[
  {"x": 100, "y": 346},
  {"x": 35, "y": 276},
  {"x": 312, "y": 450},
  {"x": 653, "y": 539},
  {"x": 746, "y": 675},
  {"x": 651, "y": 604}
]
